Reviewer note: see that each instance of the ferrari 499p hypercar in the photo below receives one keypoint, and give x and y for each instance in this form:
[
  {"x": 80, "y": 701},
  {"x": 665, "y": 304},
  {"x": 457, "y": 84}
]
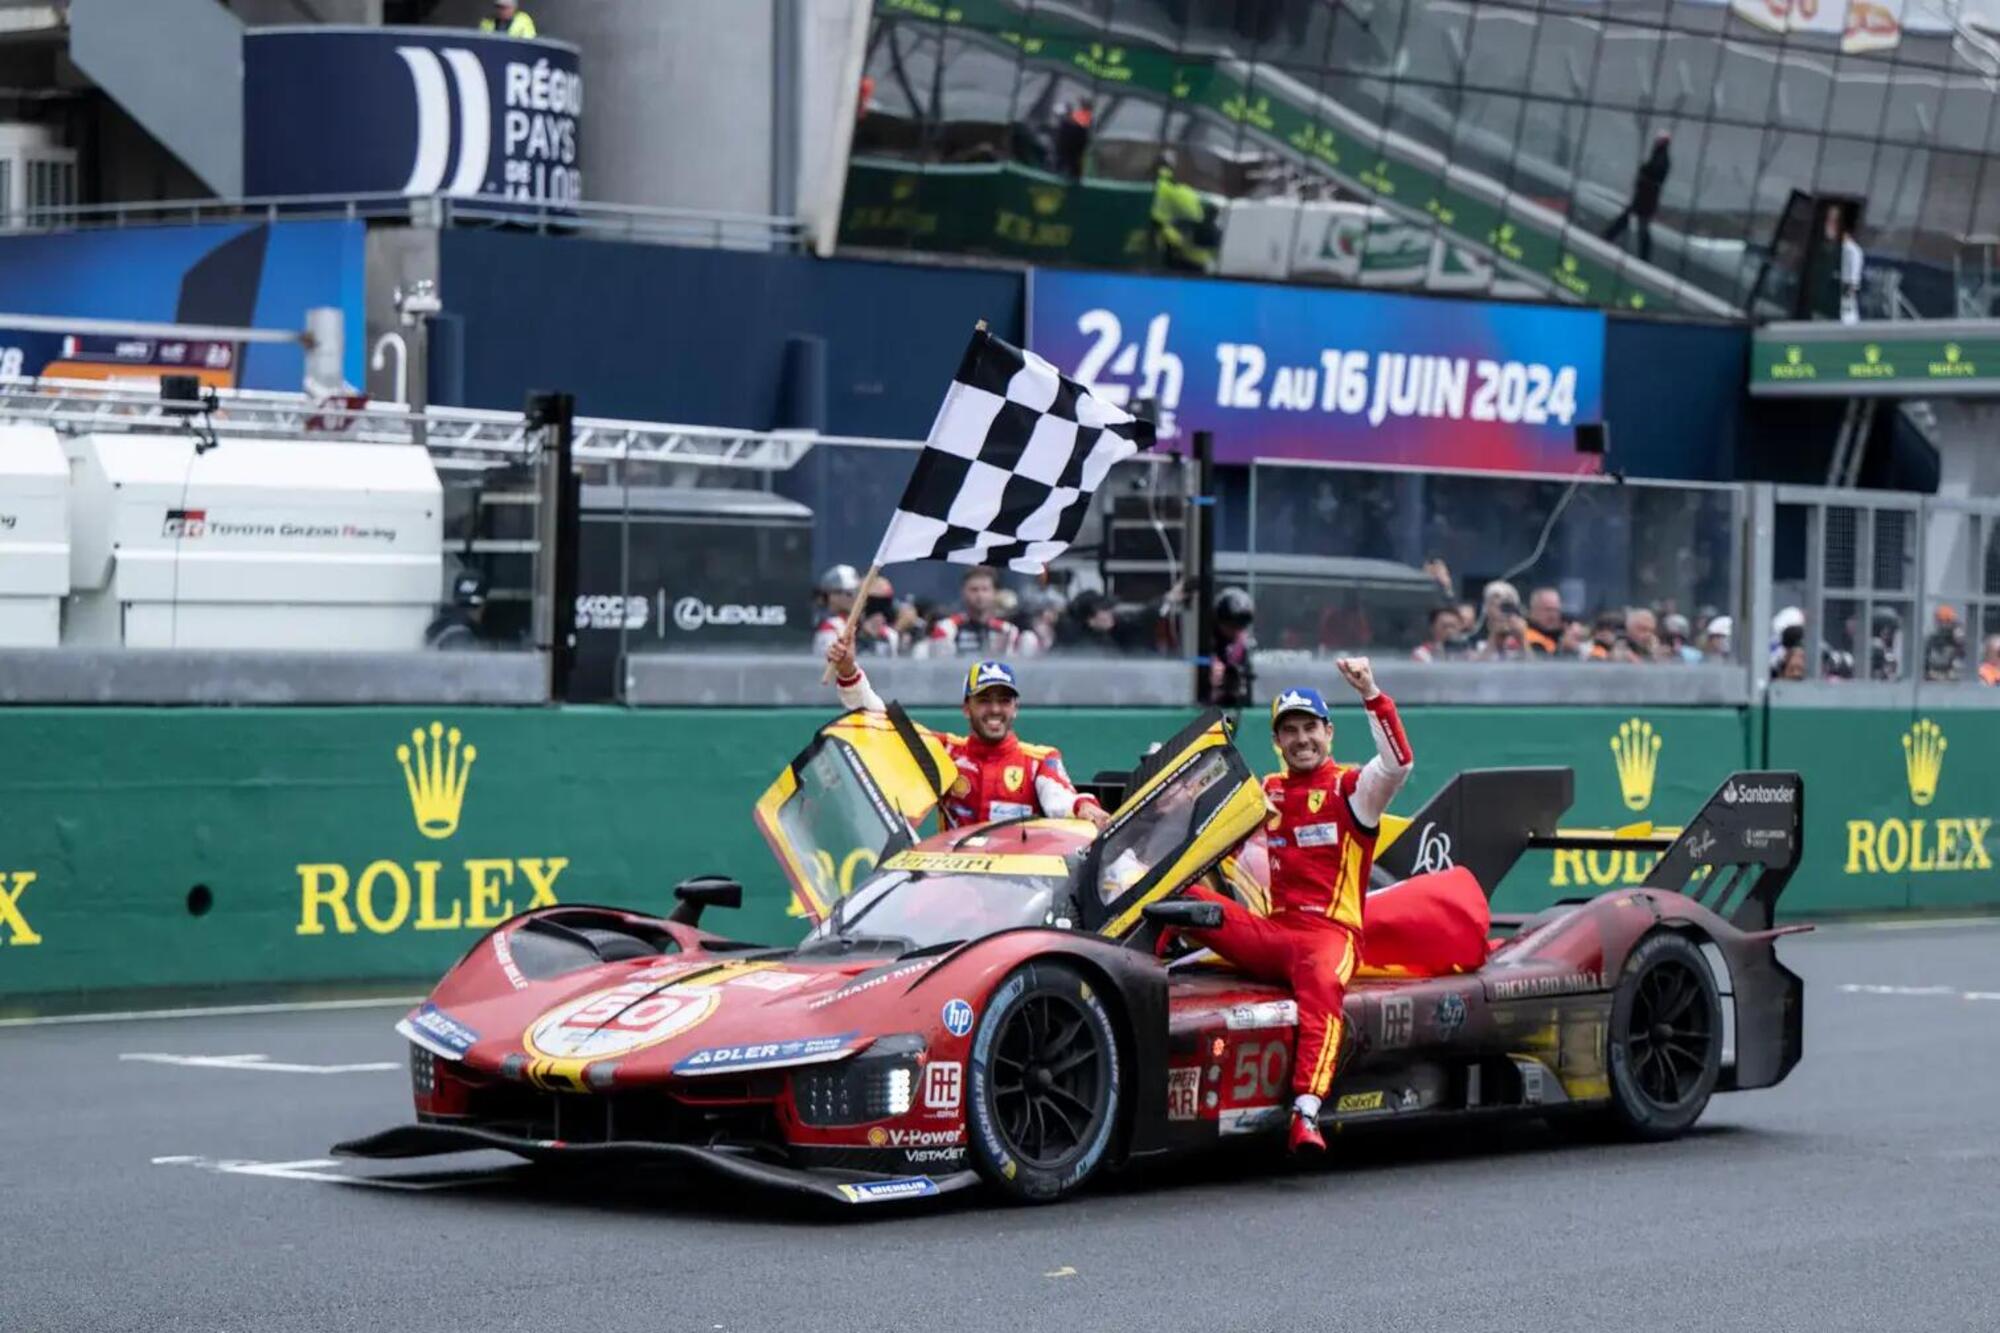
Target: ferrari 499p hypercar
[{"x": 991, "y": 1006}]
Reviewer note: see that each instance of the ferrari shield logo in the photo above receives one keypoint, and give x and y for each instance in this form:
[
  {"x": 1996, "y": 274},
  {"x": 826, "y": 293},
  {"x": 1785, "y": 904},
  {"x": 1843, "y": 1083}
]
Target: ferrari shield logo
[
  {"x": 1014, "y": 776},
  {"x": 1314, "y": 800}
]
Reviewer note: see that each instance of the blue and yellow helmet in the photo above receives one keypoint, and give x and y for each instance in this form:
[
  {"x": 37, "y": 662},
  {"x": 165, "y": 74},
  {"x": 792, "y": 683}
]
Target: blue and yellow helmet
[
  {"x": 1298, "y": 700},
  {"x": 991, "y": 675}
]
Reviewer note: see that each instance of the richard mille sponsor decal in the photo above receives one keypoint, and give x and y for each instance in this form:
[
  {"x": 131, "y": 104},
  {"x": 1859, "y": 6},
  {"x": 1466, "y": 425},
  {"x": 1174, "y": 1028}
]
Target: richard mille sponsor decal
[
  {"x": 1565, "y": 983},
  {"x": 850, "y": 991},
  {"x": 503, "y": 954}
]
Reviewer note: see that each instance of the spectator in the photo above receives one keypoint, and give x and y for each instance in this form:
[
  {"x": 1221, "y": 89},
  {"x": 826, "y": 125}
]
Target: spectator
[
  {"x": 835, "y": 593},
  {"x": 457, "y": 627},
  {"x": 1544, "y": 630},
  {"x": 1642, "y": 631},
  {"x": 1645, "y": 200},
  {"x": 977, "y": 630},
  {"x": 1072, "y": 136},
  {"x": 1791, "y": 664},
  {"x": 1715, "y": 636},
  {"x": 1607, "y": 640},
  {"x": 1447, "y": 637},
  {"x": 1989, "y": 663},
  {"x": 878, "y": 633},
  {"x": 1840, "y": 227},
  {"x": 1185, "y": 235},
  {"x": 1575, "y": 637},
  {"x": 1093, "y": 625},
  {"x": 1885, "y": 645},
  {"x": 1674, "y": 633},
  {"x": 1945, "y": 648},
  {"x": 1500, "y": 638},
  {"x": 1231, "y": 676},
  {"x": 1039, "y": 623},
  {"x": 509, "y": 20},
  {"x": 1789, "y": 620}
]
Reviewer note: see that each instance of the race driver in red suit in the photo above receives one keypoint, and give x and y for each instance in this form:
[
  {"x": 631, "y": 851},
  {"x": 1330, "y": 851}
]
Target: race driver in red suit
[
  {"x": 1322, "y": 840},
  {"x": 1000, "y": 776}
]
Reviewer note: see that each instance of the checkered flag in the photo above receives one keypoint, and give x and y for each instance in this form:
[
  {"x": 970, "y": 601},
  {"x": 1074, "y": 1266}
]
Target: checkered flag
[{"x": 1015, "y": 454}]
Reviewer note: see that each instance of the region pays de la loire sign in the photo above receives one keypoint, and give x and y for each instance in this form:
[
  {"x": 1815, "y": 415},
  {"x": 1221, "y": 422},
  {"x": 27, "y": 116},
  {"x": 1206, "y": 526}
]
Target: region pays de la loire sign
[
  {"x": 1365, "y": 377},
  {"x": 386, "y": 896},
  {"x": 416, "y": 111}
]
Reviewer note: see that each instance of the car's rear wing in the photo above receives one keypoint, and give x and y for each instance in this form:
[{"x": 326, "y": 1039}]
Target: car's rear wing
[{"x": 1734, "y": 857}]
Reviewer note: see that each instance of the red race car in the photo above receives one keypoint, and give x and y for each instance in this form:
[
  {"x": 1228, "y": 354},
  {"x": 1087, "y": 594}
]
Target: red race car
[{"x": 990, "y": 1005}]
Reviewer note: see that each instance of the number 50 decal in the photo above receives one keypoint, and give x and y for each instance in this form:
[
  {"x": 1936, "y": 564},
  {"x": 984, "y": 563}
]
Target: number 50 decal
[{"x": 1259, "y": 1070}]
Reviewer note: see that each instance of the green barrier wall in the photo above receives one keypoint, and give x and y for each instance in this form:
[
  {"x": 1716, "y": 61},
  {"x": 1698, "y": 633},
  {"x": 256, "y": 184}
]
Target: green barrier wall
[
  {"x": 1900, "y": 804},
  {"x": 144, "y": 848}
]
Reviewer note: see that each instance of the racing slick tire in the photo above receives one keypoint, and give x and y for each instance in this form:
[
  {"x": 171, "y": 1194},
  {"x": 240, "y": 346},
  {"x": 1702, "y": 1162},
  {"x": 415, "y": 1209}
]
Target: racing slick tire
[
  {"x": 1045, "y": 1086},
  {"x": 1665, "y": 1042}
]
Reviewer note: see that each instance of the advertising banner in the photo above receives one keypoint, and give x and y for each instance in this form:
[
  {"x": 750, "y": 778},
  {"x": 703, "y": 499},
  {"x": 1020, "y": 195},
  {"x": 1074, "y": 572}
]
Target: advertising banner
[
  {"x": 417, "y": 111},
  {"x": 1364, "y": 377}
]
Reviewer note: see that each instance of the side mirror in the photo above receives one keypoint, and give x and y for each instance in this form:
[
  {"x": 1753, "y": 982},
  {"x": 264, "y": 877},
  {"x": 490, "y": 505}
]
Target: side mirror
[
  {"x": 1185, "y": 914},
  {"x": 704, "y": 891}
]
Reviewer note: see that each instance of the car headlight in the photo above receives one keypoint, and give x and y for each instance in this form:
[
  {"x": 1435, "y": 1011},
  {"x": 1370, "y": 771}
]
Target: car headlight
[{"x": 878, "y": 1084}]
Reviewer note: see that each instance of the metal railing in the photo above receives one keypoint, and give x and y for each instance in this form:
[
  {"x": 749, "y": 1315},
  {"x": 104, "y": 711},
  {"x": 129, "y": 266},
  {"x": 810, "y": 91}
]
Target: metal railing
[{"x": 664, "y": 226}]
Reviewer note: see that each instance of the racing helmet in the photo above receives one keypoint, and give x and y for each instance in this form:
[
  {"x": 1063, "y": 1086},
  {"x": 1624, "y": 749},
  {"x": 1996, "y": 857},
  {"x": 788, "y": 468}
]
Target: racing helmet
[
  {"x": 991, "y": 676},
  {"x": 839, "y": 578},
  {"x": 1235, "y": 604}
]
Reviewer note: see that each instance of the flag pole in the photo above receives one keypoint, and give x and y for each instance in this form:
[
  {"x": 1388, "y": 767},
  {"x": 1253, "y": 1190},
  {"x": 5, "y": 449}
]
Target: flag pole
[{"x": 854, "y": 612}]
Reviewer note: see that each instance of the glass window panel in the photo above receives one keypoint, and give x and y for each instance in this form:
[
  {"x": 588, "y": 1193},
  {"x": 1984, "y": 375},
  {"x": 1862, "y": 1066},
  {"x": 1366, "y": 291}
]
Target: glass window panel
[
  {"x": 1503, "y": 40},
  {"x": 1629, "y": 66},
  {"x": 1859, "y": 93},
  {"x": 1962, "y": 115},
  {"x": 1914, "y": 94},
  {"x": 1724, "y": 179},
  {"x": 1889, "y": 225},
  {"x": 1845, "y": 166},
  {"x": 1946, "y": 212},
  {"x": 1788, "y": 164},
  {"x": 1804, "y": 81},
  {"x": 1564, "y": 54},
  {"x": 1743, "y": 90},
  {"x": 1686, "y": 75}
]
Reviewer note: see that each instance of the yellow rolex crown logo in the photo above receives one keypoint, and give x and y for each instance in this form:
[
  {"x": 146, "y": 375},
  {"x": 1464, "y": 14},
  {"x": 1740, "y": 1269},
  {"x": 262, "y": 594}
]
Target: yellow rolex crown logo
[
  {"x": 1793, "y": 355},
  {"x": 1636, "y": 749},
  {"x": 436, "y": 778},
  {"x": 1046, "y": 199},
  {"x": 1923, "y": 758},
  {"x": 1872, "y": 352},
  {"x": 1951, "y": 352}
]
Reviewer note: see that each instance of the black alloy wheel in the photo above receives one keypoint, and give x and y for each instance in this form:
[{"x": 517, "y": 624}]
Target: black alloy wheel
[
  {"x": 1665, "y": 1039},
  {"x": 1045, "y": 1083}
]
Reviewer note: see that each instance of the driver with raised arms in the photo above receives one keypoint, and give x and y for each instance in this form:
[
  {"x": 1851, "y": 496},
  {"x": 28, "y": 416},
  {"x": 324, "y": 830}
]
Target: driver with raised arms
[
  {"x": 1322, "y": 838},
  {"x": 1000, "y": 776}
]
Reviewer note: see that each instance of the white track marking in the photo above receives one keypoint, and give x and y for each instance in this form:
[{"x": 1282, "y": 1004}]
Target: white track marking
[
  {"x": 262, "y": 1064},
  {"x": 314, "y": 1169},
  {"x": 1858, "y": 988},
  {"x": 214, "y": 1011}
]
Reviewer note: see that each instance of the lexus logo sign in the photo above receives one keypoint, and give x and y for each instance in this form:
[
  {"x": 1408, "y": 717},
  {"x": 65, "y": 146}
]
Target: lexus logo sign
[{"x": 691, "y": 614}]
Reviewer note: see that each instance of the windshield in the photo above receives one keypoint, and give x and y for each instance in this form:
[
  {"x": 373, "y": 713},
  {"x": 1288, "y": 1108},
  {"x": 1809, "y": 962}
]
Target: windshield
[{"x": 926, "y": 909}]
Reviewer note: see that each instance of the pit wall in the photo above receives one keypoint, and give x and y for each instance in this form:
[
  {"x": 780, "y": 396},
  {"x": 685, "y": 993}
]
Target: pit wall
[{"x": 145, "y": 848}]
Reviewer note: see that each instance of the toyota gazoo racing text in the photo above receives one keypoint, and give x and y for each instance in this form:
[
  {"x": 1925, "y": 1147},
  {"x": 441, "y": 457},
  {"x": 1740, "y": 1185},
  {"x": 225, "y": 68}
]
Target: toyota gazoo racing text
[{"x": 1005, "y": 1005}]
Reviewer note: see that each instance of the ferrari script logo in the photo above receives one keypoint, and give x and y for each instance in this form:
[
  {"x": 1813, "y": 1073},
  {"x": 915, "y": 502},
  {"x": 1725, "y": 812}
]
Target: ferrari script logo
[
  {"x": 1314, "y": 800},
  {"x": 437, "y": 780},
  {"x": 1636, "y": 750},
  {"x": 1013, "y": 776}
]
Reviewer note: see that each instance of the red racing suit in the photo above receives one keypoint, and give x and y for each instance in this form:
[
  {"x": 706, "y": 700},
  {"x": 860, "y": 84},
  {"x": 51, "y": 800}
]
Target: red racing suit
[
  {"x": 964, "y": 635},
  {"x": 1004, "y": 779},
  {"x": 1322, "y": 840}
]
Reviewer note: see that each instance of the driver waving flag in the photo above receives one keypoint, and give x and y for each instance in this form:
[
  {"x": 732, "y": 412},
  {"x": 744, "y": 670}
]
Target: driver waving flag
[
  {"x": 1000, "y": 776},
  {"x": 1322, "y": 838}
]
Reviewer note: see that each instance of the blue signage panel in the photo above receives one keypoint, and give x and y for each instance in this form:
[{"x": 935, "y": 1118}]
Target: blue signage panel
[
  {"x": 417, "y": 111},
  {"x": 1355, "y": 376}
]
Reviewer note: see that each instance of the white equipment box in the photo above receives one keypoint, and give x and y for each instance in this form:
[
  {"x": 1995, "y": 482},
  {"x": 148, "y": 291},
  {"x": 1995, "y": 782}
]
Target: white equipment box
[
  {"x": 34, "y": 536},
  {"x": 268, "y": 544}
]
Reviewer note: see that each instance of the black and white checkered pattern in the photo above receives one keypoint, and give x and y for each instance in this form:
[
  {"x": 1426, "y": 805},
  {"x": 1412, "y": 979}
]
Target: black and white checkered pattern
[{"x": 1007, "y": 474}]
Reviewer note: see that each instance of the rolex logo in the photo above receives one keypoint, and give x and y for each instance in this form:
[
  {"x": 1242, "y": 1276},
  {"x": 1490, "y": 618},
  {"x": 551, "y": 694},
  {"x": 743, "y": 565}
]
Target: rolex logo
[
  {"x": 437, "y": 778},
  {"x": 1636, "y": 749},
  {"x": 1923, "y": 759}
]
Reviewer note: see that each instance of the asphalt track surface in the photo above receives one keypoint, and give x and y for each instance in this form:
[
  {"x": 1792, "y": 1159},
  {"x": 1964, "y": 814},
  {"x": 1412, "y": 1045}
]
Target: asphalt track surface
[{"x": 1864, "y": 1193}]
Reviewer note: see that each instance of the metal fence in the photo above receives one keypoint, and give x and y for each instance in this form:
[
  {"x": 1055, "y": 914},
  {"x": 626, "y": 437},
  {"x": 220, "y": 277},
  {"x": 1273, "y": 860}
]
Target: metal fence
[{"x": 694, "y": 559}]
